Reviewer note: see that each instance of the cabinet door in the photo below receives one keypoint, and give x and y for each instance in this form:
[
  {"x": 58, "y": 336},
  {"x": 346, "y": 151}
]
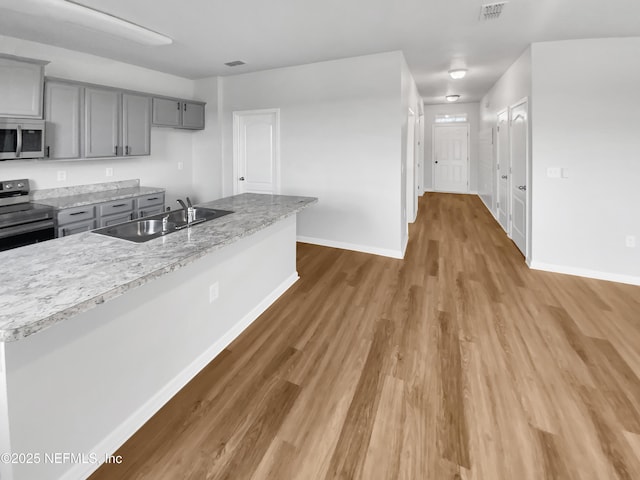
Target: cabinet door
[
  {"x": 79, "y": 227},
  {"x": 102, "y": 111},
  {"x": 193, "y": 115},
  {"x": 136, "y": 124},
  {"x": 166, "y": 113},
  {"x": 20, "y": 88},
  {"x": 115, "y": 219},
  {"x": 62, "y": 113}
]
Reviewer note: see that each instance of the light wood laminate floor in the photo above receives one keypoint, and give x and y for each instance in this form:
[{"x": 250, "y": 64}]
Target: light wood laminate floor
[{"x": 457, "y": 363}]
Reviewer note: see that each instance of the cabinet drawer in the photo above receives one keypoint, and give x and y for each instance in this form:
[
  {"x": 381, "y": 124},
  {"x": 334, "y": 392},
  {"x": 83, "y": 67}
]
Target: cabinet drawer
[
  {"x": 76, "y": 214},
  {"x": 117, "y": 206},
  {"x": 115, "y": 219},
  {"x": 153, "y": 210},
  {"x": 149, "y": 200},
  {"x": 77, "y": 227}
]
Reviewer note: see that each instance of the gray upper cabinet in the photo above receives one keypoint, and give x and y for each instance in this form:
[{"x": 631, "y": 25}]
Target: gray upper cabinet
[
  {"x": 136, "y": 124},
  {"x": 170, "y": 112},
  {"x": 102, "y": 114},
  {"x": 193, "y": 115},
  {"x": 62, "y": 109},
  {"x": 167, "y": 113},
  {"x": 21, "y": 82}
]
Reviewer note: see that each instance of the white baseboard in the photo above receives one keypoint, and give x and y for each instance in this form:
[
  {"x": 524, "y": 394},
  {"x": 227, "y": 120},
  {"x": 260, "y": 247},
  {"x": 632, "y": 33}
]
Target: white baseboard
[
  {"x": 352, "y": 246},
  {"x": 583, "y": 272},
  {"x": 404, "y": 246},
  {"x": 123, "y": 432}
]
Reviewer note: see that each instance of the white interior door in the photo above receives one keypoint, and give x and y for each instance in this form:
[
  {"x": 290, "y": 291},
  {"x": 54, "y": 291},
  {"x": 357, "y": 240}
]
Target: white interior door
[
  {"x": 256, "y": 163},
  {"x": 451, "y": 158},
  {"x": 519, "y": 141},
  {"x": 502, "y": 169},
  {"x": 411, "y": 169}
]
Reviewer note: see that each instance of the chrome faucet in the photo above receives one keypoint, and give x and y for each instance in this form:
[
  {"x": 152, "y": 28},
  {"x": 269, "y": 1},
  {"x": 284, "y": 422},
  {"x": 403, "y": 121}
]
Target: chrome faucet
[
  {"x": 189, "y": 211},
  {"x": 165, "y": 223}
]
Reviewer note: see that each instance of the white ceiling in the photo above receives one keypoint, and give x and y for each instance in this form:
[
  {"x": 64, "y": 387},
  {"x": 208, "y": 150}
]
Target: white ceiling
[{"x": 433, "y": 34}]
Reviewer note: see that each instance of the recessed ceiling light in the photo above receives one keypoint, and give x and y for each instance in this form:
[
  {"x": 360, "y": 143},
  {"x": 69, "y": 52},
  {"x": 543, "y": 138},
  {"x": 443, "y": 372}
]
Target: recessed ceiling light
[
  {"x": 71, "y": 12},
  {"x": 458, "y": 73},
  {"x": 452, "y": 98}
]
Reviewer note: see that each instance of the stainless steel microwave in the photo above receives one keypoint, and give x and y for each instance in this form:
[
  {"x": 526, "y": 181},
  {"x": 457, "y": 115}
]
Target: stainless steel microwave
[{"x": 21, "y": 138}]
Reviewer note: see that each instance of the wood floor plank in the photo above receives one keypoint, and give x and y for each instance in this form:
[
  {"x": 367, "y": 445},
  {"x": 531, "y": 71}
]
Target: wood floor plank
[{"x": 456, "y": 363}]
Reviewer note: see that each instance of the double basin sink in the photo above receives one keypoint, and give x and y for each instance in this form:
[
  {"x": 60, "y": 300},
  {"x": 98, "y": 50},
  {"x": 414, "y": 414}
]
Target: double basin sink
[{"x": 154, "y": 226}]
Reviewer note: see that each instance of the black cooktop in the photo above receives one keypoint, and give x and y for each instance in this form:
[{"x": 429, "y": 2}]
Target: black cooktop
[{"x": 24, "y": 213}]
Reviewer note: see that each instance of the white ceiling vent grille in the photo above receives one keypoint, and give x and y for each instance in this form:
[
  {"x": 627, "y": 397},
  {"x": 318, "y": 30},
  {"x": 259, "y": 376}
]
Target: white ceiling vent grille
[{"x": 491, "y": 11}]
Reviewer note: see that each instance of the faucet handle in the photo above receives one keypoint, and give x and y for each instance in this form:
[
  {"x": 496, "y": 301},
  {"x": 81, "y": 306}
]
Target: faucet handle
[{"x": 189, "y": 202}]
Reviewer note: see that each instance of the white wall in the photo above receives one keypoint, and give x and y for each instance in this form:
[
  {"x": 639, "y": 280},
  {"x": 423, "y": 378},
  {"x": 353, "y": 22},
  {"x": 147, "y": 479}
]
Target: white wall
[
  {"x": 340, "y": 142},
  {"x": 168, "y": 146},
  {"x": 585, "y": 119},
  {"x": 514, "y": 85},
  {"x": 430, "y": 111}
]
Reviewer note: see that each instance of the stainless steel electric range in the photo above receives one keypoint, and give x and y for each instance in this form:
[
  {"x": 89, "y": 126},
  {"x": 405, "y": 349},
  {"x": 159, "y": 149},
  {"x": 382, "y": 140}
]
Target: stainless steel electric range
[{"x": 21, "y": 221}]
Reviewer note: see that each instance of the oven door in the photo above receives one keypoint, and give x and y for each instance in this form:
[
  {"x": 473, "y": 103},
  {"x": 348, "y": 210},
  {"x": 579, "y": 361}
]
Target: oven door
[{"x": 26, "y": 234}]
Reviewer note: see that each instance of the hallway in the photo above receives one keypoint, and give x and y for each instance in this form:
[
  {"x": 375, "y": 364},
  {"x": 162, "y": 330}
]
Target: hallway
[{"x": 457, "y": 362}]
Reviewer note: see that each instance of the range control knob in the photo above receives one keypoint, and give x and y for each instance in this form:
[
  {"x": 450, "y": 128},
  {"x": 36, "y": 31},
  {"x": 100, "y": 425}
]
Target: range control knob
[
  {"x": 8, "y": 186},
  {"x": 20, "y": 185}
]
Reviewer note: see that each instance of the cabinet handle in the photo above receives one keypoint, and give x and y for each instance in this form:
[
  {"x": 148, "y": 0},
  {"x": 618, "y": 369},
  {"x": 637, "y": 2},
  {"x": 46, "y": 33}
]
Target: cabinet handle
[
  {"x": 178, "y": 103},
  {"x": 77, "y": 213},
  {"x": 48, "y": 151},
  {"x": 126, "y": 150},
  {"x": 115, "y": 149},
  {"x": 152, "y": 198},
  {"x": 185, "y": 107},
  {"x": 119, "y": 205}
]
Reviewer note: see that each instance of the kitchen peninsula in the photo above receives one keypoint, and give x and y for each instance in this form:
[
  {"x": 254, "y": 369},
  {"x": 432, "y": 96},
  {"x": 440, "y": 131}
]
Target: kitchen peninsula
[{"x": 98, "y": 333}]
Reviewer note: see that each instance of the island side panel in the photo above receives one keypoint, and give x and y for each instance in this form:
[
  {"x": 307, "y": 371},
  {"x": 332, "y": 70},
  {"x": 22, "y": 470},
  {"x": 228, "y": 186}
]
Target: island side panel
[
  {"x": 87, "y": 384},
  {"x": 6, "y": 468}
]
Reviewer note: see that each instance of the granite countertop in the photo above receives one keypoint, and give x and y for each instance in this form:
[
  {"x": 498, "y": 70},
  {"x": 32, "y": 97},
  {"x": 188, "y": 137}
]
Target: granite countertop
[
  {"x": 48, "y": 282},
  {"x": 81, "y": 199}
]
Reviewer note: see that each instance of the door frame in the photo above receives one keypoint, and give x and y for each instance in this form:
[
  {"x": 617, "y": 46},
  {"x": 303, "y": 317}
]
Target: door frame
[
  {"x": 507, "y": 229},
  {"x": 527, "y": 170},
  {"x": 411, "y": 168},
  {"x": 433, "y": 153},
  {"x": 237, "y": 114}
]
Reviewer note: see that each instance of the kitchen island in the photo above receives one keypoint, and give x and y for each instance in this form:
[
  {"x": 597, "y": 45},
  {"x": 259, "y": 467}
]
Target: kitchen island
[{"x": 98, "y": 333}]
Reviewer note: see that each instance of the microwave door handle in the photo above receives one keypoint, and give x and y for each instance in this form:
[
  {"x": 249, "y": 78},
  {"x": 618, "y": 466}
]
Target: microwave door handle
[{"x": 19, "y": 147}]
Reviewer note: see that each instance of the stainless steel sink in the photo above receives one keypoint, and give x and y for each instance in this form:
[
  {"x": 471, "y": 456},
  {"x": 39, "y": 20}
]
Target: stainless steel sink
[{"x": 148, "y": 228}]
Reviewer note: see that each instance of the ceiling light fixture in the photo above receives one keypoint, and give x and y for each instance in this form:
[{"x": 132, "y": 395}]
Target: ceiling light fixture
[
  {"x": 452, "y": 98},
  {"x": 71, "y": 12},
  {"x": 458, "y": 73}
]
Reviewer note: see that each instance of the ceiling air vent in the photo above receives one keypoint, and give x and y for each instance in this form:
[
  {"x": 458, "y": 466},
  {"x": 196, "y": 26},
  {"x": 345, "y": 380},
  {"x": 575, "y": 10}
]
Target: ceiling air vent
[
  {"x": 491, "y": 11},
  {"x": 235, "y": 63}
]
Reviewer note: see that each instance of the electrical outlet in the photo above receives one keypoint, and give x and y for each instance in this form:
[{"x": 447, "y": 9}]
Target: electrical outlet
[
  {"x": 630, "y": 241},
  {"x": 180, "y": 165},
  {"x": 554, "y": 172},
  {"x": 62, "y": 175},
  {"x": 214, "y": 291},
  {"x": 109, "y": 172}
]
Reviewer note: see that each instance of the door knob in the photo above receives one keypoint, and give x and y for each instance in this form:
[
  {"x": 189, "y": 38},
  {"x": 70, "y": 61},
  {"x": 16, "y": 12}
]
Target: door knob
[
  {"x": 522, "y": 187},
  {"x": 241, "y": 179},
  {"x": 504, "y": 177}
]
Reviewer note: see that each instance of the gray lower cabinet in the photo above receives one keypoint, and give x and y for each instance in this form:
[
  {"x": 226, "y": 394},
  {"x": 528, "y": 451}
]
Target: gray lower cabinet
[
  {"x": 62, "y": 113},
  {"x": 112, "y": 213},
  {"x": 150, "y": 205},
  {"x": 76, "y": 220},
  {"x": 85, "y": 218},
  {"x": 102, "y": 123}
]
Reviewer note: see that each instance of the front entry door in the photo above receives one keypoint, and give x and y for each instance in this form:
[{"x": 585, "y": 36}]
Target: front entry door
[
  {"x": 451, "y": 158},
  {"x": 519, "y": 140},
  {"x": 256, "y": 152},
  {"x": 502, "y": 170}
]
